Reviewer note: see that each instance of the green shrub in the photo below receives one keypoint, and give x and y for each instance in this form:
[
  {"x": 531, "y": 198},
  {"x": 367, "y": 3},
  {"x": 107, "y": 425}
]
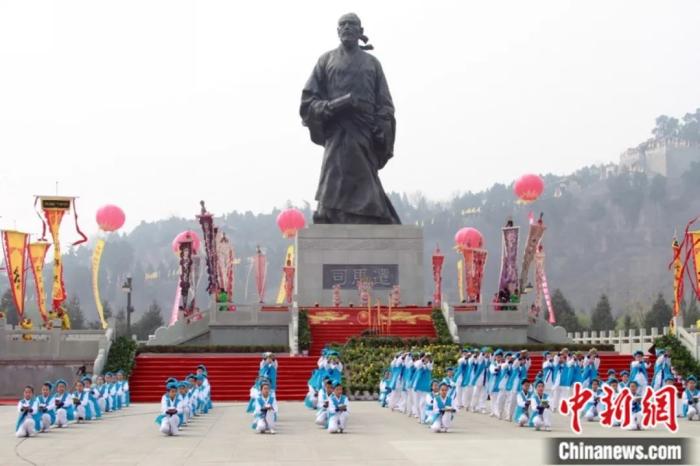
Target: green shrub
[
  {"x": 121, "y": 355},
  {"x": 681, "y": 359},
  {"x": 253, "y": 349},
  {"x": 440, "y": 324},
  {"x": 304, "y": 331}
]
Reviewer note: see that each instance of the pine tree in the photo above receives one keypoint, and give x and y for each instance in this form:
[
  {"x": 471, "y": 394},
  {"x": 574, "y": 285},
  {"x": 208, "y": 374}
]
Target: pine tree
[
  {"x": 692, "y": 313},
  {"x": 660, "y": 314},
  {"x": 565, "y": 315},
  {"x": 7, "y": 305},
  {"x": 601, "y": 318},
  {"x": 627, "y": 323},
  {"x": 75, "y": 313},
  {"x": 149, "y": 321}
]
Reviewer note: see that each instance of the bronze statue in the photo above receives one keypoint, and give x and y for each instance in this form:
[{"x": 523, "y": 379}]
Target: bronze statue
[{"x": 347, "y": 107}]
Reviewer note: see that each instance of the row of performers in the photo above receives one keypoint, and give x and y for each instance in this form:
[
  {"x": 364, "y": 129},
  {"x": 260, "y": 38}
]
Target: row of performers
[
  {"x": 56, "y": 406},
  {"x": 263, "y": 403},
  {"x": 183, "y": 401},
  {"x": 325, "y": 395}
]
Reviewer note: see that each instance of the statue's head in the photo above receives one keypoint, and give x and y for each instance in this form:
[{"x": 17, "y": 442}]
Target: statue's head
[{"x": 350, "y": 29}]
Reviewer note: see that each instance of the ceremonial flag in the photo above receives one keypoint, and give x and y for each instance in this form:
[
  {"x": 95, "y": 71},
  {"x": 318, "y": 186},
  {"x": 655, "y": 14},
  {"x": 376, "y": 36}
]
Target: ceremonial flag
[
  {"x": 534, "y": 237},
  {"x": 475, "y": 261},
  {"x": 677, "y": 278},
  {"x": 37, "y": 257},
  {"x": 460, "y": 279},
  {"x": 15, "y": 247},
  {"x": 509, "y": 251},
  {"x": 96, "y": 257},
  {"x": 282, "y": 294},
  {"x": 260, "y": 272},
  {"x": 695, "y": 244}
]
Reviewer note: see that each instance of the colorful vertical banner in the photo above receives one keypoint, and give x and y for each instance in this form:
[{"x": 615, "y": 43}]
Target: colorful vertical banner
[
  {"x": 37, "y": 258},
  {"x": 15, "y": 245},
  {"x": 695, "y": 244},
  {"x": 282, "y": 292},
  {"x": 474, "y": 263},
  {"x": 677, "y": 278},
  {"x": 206, "y": 220},
  {"x": 534, "y": 237},
  {"x": 96, "y": 258},
  {"x": 509, "y": 256},
  {"x": 185, "y": 272},
  {"x": 460, "y": 279},
  {"x": 542, "y": 286},
  {"x": 225, "y": 257},
  {"x": 260, "y": 272}
]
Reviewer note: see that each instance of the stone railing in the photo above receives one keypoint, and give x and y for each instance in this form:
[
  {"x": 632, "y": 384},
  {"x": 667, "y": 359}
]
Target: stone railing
[
  {"x": 55, "y": 344},
  {"x": 626, "y": 342},
  {"x": 691, "y": 340}
]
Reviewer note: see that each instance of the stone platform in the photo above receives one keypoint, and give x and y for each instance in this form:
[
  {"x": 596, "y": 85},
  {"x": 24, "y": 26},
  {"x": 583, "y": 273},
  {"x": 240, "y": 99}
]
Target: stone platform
[{"x": 388, "y": 255}]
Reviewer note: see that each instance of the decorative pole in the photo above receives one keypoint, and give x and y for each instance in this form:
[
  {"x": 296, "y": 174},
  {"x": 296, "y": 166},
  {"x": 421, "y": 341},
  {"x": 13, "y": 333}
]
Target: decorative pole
[
  {"x": 438, "y": 260},
  {"x": 289, "y": 279}
]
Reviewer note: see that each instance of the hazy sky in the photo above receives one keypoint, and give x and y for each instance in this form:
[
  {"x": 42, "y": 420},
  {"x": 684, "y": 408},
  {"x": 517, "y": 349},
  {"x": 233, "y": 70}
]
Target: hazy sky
[{"x": 154, "y": 105}]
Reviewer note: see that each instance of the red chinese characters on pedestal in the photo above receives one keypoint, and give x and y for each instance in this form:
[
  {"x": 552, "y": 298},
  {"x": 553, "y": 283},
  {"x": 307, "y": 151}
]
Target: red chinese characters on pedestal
[{"x": 575, "y": 404}]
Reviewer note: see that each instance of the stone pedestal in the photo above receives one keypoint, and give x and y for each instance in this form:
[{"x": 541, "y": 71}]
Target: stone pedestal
[{"x": 388, "y": 255}]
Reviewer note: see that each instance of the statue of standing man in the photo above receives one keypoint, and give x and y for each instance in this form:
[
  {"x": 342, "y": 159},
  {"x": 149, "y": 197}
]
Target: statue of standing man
[{"x": 347, "y": 107}]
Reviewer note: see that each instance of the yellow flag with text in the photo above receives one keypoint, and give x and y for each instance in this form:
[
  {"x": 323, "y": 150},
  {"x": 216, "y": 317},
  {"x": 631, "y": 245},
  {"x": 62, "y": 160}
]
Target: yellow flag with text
[{"x": 96, "y": 257}]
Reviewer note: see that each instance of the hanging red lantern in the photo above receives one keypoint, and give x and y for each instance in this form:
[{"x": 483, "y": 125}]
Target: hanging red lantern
[
  {"x": 290, "y": 221},
  {"x": 110, "y": 217},
  {"x": 468, "y": 237},
  {"x": 528, "y": 187},
  {"x": 187, "y": 235}
]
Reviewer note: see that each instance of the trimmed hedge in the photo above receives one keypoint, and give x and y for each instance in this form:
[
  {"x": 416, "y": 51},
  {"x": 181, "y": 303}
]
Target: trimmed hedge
[
  {"x": 681, "y": 359},
  {"x": 211, "y": 349},
  {"x": 121, "y": 356},
  {"x": 440, "y": 324},
  {"x": 304, "y": 330}
]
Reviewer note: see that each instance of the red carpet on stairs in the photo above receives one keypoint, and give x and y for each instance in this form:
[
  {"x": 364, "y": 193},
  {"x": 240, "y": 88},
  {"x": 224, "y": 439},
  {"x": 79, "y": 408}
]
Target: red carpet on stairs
[
  {"x": 338, "y": 324},
  {"x": 230, "y": 376}
]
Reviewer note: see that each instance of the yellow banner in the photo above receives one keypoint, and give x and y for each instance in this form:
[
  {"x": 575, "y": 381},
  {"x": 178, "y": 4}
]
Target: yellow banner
[
  {"x": 15, "y": 246},
  {"x": 695, "y": 242},
  {"x": 460, "y": 279},
  {"x": 677, "y": 278},
  {"x": 96, "y": 257},
  {"x": 58, "y": 291},
  {"x": 282, "y": 294},
  {"x": 37, "y": 256}
]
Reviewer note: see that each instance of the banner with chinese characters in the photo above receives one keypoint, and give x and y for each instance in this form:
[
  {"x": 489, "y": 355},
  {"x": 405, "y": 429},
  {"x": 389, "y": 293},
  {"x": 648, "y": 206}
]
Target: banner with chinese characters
[
  {"x": 15, "y": 246},
  {"x": 185, "y": 273},
  {"x": 509, "y": 252},
  {"x": 542, "y": 286},
  {"x": 474, "y": 263},
  {"x": 347, "y": 276},
  {"x": 534, "y": 237},
  {"x": 677, "y": 278},
  {"x": 37, "y": 257},
  {"x": 460, "y": 279},
  {"x": 695, "y": 244},
  {"x": 96, "y": 258},
  {"x": 206, "y": 220},
  {"x": 282, "y": 294}
]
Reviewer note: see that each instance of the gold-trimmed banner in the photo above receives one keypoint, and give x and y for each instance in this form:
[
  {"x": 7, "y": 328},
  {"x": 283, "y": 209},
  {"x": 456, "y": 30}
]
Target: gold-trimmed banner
[
  {"x": 37, "y": 258},
  {"x": 96, "y": 258},
  {"x": 58, "y": 291},
  {"x": 15, "y": 247},
  {"x": 695, "y": 244}
]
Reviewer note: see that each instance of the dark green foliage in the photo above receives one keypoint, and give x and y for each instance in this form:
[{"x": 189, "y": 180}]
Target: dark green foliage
[
  {"x": 7, "y": 305},
  {"x": 149, "y": 322},
  {"x": 77, "y": 318},
  {"x": 602, "y": 318},
  {"x": 249, "y": 349},
  {"x": 692, "y": 313},
  {"x": 660, "y": 314},
  {"x": 441, "y": 329},
  {"x": 121, "y": 355},
  {"x": 681, "y": 359},
  {"x": 566, "y": 317},
  {"x": 304, "y": 331}
]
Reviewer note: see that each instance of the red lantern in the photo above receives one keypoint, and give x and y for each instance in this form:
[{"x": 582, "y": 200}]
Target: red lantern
[
  {"x": 187, "y": 235},
  {"x": 290, "y": 221},
  {"x": 468, "y": 237},
  {"x": 110, "y": 217},
  {"x": 528, "y": 187}
]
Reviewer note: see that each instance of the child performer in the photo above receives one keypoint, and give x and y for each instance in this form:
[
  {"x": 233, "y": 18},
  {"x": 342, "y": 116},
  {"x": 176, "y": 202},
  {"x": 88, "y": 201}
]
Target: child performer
[
  {"x": 27, "y": 408},
  {"x": 184, "y": 402},
  {"x": 92, "y": 394},
  {"x": 421, "y": 382},
  {"x": 63, "y": 405},
  {"x": 522, "y": 410},
  {"x": 638, "y": 370},
  {"x": 430, "y": 401},
  {"x": 481, "y": 379},
  {"x": 690, "y": 399},
  {"x": 268, "y": 369},
  {"x": 46, "y": 408},
  {"x": 624, "y": 379},
  {"x": 384, "y": 390},
  {"x": 324, "y": 399},
  {"x": 592, "y": 410},
  {"x": 541, "y": 416},
  {"x": 337, "y": 410},
  {"x": 443, "y": 411},
  {"x": 265, "y": 410},
  {"x": 123, "y": 389},
  {"x": 462, "y": 377},
  {"x": 449, "y": 379},
  {"x": 170, "y": 411},
  {"x": 100, "y": 390},
  {"x": 80, "y": 402},
  {"x": 635, "y": 407},
  {"x": 662, "y": 369}
]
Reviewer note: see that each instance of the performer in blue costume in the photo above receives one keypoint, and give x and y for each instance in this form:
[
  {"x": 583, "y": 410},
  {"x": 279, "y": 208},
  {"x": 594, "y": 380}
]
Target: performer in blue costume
[
  {"x": 541, "y": 417},
  {"x": 592, "y": 410},
  {"x": 591, "y": 363},
  {"x": 265, "y": 411},
  {"x": 46, "y": 409},
  {"x": 27, "y": 407},
  {"x": 421, "y": 382},
  {"x": 462, "y": 377},
  {"x": 498, "y": 372},
  {"x": 169, "y": 418},
  {"x": 480, "y": 380},
  {"x": 443, "y": 411},
  {"x": 63, "y": 404},
  {"x": 449, "y": 379},
  {"x": 324, "y": 399},
  {"x": 268, "y": 369},
  {"x": 624, "y": 379},
  {"x": 92, "y": 394},
  {"x": 522, "y": 409},
  {"x": 384, "y": 389},
  {"x": 100, "y": 390},
  {"x": 338, "y": 410},
  {"x": 430, "y": 401},
  {"x": 639, "y": 370},
  {"x": 81, "y": 404},
  {"x": 635, "y": 406},
  {"x": 123, "y": 388},
  {"x": 184, "y": 402},
  {"x": 549, "y": 372},
  {"x": 689, "y": 404},
  {"x": 662, "y": 368}
]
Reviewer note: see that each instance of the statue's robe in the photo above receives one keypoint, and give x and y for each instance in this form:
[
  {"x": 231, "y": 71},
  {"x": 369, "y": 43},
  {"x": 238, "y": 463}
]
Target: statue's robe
[{"x": 358, "y": 141}]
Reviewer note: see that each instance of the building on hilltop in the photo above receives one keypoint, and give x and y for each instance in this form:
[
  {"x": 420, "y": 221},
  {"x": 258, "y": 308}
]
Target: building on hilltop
[{"x": 670, "y": 157}]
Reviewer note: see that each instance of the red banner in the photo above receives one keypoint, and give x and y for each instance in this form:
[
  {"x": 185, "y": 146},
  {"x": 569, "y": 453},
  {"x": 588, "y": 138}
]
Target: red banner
[{"x": 15, "y": 246}]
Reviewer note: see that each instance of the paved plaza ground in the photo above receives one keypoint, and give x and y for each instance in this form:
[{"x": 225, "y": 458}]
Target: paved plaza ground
[{"x": 374, "y": 436}]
